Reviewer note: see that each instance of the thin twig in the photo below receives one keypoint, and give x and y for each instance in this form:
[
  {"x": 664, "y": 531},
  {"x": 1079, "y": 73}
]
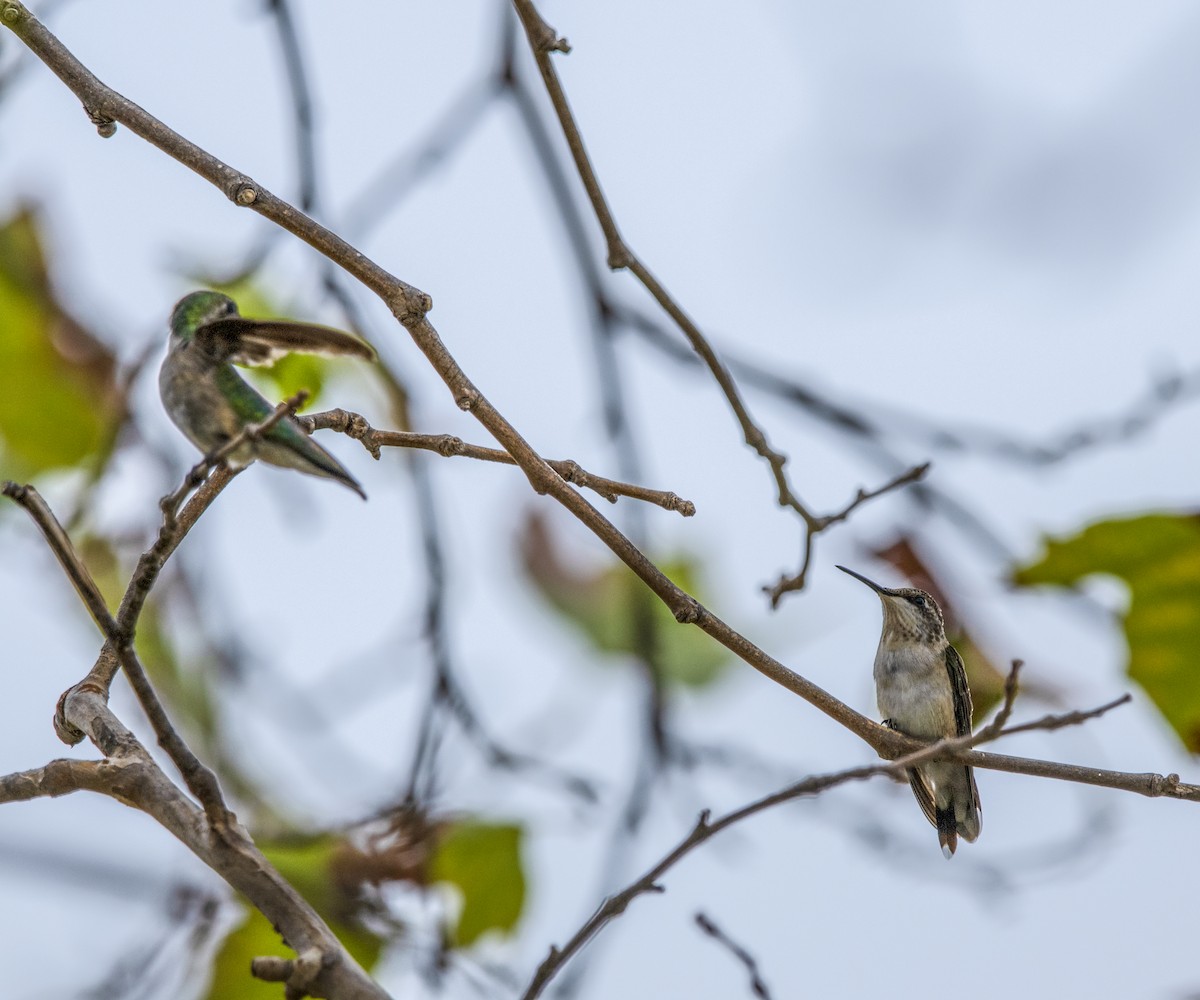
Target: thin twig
[
  {"x": 788, "y": 584},
  {"x": 543, "y": 42},
  {"x": 757, "y": 986},
  {"x": 706, "y": 827},
  {"x": 64, "y": 551},
  {"x": 1011, "y": 687},
  {"x": 354, "y": 425}
]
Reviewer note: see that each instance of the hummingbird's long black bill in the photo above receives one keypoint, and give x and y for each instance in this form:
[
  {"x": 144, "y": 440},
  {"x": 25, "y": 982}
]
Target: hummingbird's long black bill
[{"x": 862, "y": 579}]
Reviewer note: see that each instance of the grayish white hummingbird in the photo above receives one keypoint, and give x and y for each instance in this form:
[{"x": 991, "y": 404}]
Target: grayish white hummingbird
[
  {"x": 210, "y": 402},
  {"x": 921, "y": 688}
]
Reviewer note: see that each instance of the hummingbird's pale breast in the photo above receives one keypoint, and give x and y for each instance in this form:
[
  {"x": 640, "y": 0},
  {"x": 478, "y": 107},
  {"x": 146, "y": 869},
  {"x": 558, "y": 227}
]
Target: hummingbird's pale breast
[{"x": 913, "y": 688}]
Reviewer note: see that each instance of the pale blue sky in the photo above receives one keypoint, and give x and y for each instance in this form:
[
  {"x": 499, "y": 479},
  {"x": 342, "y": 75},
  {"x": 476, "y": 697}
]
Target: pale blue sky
[{"x": 984, "y": 213}]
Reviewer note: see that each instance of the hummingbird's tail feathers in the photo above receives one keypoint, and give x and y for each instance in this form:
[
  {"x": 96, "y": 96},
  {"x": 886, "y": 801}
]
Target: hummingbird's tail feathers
[
  {"x": 951, "y": 820},
  {"x": 289, "y": 446},
  {"x": 947, "y": 828},
  {"x": 971, "y": 822},
  {"x": 349, "y": 481},
  {"x": 329, "y": 467},
  {"x": 924, "y": 795}
]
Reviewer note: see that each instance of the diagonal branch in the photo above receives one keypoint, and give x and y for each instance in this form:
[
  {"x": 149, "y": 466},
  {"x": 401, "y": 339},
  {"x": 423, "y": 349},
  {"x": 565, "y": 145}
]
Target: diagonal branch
[
  {"x": 119, "y": 631},
  {"x": 130, "y": 775},
  {"x": 410, "y": 306}
]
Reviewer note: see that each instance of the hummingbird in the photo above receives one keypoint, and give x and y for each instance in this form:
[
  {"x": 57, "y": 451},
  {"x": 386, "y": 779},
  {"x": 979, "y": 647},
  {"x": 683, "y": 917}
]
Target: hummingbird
[
  {"x": 210, "y": 402},
  {"x": 921, "y": 688}
]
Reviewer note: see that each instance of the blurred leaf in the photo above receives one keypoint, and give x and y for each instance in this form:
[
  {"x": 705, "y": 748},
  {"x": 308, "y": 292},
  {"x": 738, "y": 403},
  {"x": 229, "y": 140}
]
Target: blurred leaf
[
  {"x": 1158, "y": 556},
  {"x": 610, "y": 605},
  {"x": 254, "y": 936},
  {"x": 308, "y": 865},
  {"x": 290, "y": 374},
  {"x": 484, "y": 861},
  {"x": 58, "y": 395}
]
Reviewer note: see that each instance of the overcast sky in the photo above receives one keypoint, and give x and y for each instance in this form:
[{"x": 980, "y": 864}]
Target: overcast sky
[{"x": 986, "y": 214}]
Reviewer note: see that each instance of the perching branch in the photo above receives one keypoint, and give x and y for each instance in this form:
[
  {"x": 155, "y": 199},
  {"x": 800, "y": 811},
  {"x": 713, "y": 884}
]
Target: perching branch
[
  {"x": 119, "y": 631},
  {"x": 706, "y": 828},
  {"x": 130, "y": 775}
]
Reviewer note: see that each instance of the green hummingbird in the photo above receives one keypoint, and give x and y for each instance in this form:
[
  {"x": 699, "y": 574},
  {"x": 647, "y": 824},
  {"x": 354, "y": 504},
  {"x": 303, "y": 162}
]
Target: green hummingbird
[{"x": 210, "y": 402}]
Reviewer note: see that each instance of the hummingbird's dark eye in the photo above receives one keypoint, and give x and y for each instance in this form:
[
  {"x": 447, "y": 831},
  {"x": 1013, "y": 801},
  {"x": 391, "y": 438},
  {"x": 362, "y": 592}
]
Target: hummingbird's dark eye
[{"x": 918, "y": 600}]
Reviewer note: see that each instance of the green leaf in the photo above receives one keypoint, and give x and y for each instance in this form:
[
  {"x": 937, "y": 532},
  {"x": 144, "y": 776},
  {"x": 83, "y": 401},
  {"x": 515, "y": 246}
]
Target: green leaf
[
  {"x": 1158, "y": 556},
  {"x": 290, "y": 374},
  {"x": 484, "y": 862},
  {"x": 58, "y": 396},
  {"x": 616, "y": 612},
  {"x": 310, "y": 866},
  {"x": 251, "y": 938}
]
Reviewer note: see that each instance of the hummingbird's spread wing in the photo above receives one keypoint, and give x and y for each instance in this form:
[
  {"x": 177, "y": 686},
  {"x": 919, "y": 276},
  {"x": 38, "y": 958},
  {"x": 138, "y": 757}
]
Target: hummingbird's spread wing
[{"x": 259, "y": 342}]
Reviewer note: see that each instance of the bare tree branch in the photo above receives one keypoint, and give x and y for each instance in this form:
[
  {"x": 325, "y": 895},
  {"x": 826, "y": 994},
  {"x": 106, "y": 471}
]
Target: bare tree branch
[
  {"x": 355, "y": 425},
  {"x": 130, "y": 775},
  {"x": 757, "y": 986},
  {"x": 706, "y": 827},
  {"x": 543, "y": 42},
  {"x": 231, "y": 853},
  {"x": 410, "y": 306}
]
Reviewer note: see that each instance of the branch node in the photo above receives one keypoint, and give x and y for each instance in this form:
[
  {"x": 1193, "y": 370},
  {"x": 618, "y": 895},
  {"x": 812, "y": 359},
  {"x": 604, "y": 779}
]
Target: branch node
[
  {"x": 449, "y": 446},
  {"x": 467, "y": 398},
  {"x": 688, "y": 613},
  {"x": 13, "y": 12},
  {"x": 271, "y": 968},
  {"x": 105, "y": 125},
  {"x": 299, "y": 973},
  {"x": 410, "y": 305},
  {"x": 242, "y": 191},
  {"x": 619, "y": 257},
  {"x": 1164, "y": 784},
  {"x": 64, "y": 729},
  {"x": 685, "y": 507}
]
